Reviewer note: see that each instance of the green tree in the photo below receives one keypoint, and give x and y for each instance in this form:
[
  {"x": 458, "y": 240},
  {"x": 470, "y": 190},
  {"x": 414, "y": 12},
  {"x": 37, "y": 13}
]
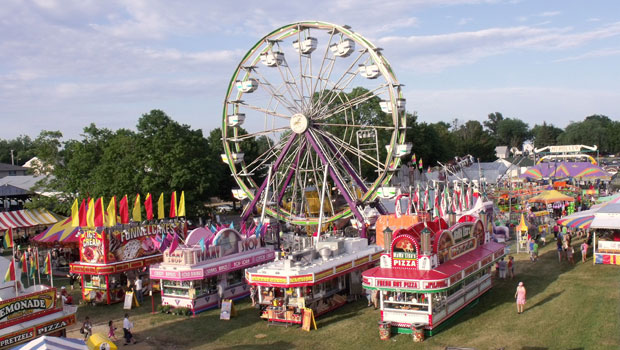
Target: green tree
[
  {"x": 470, "y": 138},
  {"x": 597, "y": 130},
  {"x": 513, "y": 131},
  {"x": 22, "y": 147},
  {"x": 545, "y": 135},
  {"x": 492, "y": 123}
]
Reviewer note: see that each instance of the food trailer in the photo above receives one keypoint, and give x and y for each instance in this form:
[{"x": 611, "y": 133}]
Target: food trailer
[
  {"x": 321, "y": 277},
  {"x": 112, "y": 255},
  {"x": 433, "y": 269},
  {"x": 30, "y": 313},
  {"x": 197, "y": 276}
]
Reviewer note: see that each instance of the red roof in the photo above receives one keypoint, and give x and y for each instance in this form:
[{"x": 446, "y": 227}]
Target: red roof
[{"x": 444, "y": 270}]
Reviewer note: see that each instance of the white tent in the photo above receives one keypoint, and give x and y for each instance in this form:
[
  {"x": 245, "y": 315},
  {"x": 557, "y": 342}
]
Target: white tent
[
  {"x": 607, "y": 217},
  {"x": 53, "y": 343}
]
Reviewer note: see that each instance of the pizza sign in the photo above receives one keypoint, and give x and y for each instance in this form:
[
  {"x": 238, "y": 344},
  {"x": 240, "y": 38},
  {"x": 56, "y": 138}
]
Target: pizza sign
[{"x": 405, "y": 252}]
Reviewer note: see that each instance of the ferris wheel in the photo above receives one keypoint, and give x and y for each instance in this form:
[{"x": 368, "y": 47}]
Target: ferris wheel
[{"x": 313, "y": 124}]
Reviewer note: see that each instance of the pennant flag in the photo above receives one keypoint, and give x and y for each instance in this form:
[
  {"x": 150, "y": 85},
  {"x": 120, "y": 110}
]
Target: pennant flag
[
  {"x": 10, "y": 272},
  {"x": 24, "y": 264},
  {"x": 98, "y": 219},
  {"x": 173, "y": 205},
  {"x": 202, "y": 244},
  {"x": 47, "y": 269},
  {"x": 136, "y": 213},
  {"x": 36, "y": 257},
  {"x": 123, "y": 210},
  {"x": 420, "y": 166},
  {"x": 413, "y": 160},
  {"x": 8, "y": 239},
  {"x": 175, "y": 243},
  {"x": 90, "y": 213},
  {"x": 75, "y": 214},
  {"x": 213, "y": 228},
  {"x": 160, "y": 207},
  {"x": 181, "y": 208},
  {"x": 148, "y": 206},
  {"x": 111, "y": 213},
  {"x": 32, "y": 267},
  {"x": 435, "y": 202},
  {"x": 163, "y": 245},
  {"x": 82, "y": 214}
]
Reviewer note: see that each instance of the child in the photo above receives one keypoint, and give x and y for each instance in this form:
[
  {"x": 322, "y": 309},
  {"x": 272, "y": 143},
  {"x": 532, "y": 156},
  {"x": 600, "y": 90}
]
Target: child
[
  {"x": 111, "y": 330},
  {"x": 584, "y": 251},
  {"x": 535, "y": 251},
  {"x": 569, "y": 255},
  {"x": 87, "y": 328}
]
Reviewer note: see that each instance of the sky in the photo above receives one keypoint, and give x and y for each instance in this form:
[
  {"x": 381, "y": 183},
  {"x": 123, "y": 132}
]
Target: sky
[{"x": 66, "y": 64}]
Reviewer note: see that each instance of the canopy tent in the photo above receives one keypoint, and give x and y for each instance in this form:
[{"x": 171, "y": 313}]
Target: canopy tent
[
  {"x": 25, "y": 218},
  {"x": 62, "y": 232},
  {"x": 551, "y": 196},
  {"x": 561, "y": 170},
  {"x": 53, "y": 343},
  {"x": 614, "y": 198},
  {"x": 607, "y": 217}
]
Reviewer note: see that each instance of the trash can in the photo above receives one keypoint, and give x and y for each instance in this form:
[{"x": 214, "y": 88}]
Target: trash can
[
  {"x": 417, "y": 332},
  {"x": 385, "y": 328}
]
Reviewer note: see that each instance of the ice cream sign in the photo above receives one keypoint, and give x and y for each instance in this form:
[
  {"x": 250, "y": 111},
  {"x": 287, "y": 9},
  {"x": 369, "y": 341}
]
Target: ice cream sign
[{"x": 91, "y": 246}]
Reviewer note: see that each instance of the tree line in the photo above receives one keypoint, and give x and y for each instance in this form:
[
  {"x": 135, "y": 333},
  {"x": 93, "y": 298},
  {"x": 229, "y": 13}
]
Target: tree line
[{"x": 162, "y": 155}]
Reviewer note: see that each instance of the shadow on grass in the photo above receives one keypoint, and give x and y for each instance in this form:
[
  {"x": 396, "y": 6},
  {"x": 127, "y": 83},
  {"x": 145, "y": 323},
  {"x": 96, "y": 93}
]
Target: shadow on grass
[
  {"x": 536, "y": 276},
  {"x": 546, "y": 299},
  {"x": 272, "y": 346},
  {"x": 349, "y": 310}
]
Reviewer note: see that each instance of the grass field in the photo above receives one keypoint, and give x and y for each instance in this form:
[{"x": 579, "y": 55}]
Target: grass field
[{"x": 568, "y": 307}]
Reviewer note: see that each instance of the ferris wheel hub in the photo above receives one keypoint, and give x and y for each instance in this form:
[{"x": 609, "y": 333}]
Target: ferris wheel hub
[{"x": 299, "y": 123}]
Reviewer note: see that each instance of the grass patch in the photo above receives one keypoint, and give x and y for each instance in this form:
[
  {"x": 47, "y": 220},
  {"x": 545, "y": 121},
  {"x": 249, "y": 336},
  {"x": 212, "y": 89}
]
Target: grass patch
[{"x": 568, "y": 307}]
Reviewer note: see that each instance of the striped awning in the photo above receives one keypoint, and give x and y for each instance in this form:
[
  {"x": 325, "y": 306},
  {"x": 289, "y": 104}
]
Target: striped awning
[
  {"x": 62, "y": 232},
  {"x": 25, "y": 218}
]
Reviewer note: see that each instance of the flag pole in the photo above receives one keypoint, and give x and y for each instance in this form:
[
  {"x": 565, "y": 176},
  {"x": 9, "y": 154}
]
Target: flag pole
[
  {"x": 38, "y": 267},
  {"x": 14, "y": 265}
]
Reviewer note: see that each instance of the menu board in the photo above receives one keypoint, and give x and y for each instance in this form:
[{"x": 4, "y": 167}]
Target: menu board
[{"x": 226, "y": 309}]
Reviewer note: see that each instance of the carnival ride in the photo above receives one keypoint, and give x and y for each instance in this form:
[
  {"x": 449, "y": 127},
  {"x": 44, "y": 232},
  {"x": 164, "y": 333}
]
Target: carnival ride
[{"x": 299, "y": 91}]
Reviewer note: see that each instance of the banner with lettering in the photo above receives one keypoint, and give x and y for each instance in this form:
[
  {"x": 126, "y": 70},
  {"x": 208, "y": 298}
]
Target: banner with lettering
[{"x": 16, "y": 308}]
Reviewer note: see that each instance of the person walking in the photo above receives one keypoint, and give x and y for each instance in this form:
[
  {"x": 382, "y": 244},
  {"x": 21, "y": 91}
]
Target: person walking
[
  {"x": 138, "y": 289},
  {"x": 569, "y": 255},
  {"x": 127, "y": 328},
  {"x": 87, "y": 328},
  {"x": 511, "y": 267},
  {"x": 560, "y": 249},
  {"x": 253, "y": 292},
  {"x": 112, "y": 331},
  {"x": 502, "y": 269},
  {"x": 584, "y": 251},
  {"x": 535, "y": 251},
  {"x": 520, "y": 295}
]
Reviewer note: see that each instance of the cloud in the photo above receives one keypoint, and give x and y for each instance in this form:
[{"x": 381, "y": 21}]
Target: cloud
[
  {"x": 464, "y": 21},
  {"x": 549, "y": 14},
  {"x": 433, "y": 53},
  {"x": 592, "y": 54}
]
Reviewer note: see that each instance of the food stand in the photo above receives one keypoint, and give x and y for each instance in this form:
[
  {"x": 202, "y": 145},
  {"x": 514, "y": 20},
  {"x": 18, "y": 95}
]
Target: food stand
[
  {"x": 432, "y": 270},
  {"x": 191, "y": 275},
  {"x": 606, "y": 227},
  {"x": 108, "y": 256},
  {"x": 321, "y": 277},
  {"x": 30, "y": 313}
]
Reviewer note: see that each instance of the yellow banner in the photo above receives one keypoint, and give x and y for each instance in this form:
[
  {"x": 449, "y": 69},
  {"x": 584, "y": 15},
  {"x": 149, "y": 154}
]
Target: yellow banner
[
  {"x": 304, "y": 278},
  {"x": 323, "y": 274},
  {"x": 270, "y": 279},
  {"x": 27, "y": 305},
  {"x": 344, "y": 267}
]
